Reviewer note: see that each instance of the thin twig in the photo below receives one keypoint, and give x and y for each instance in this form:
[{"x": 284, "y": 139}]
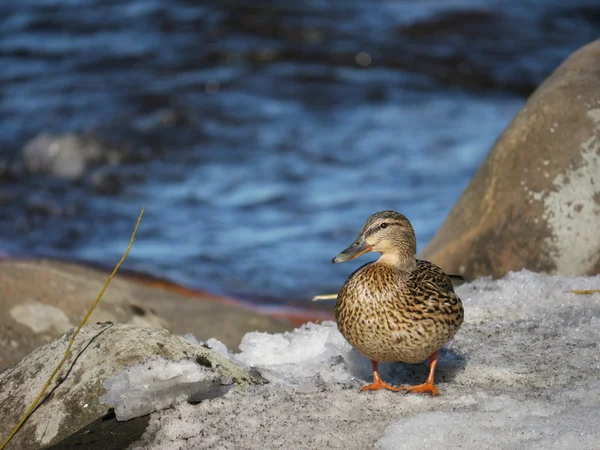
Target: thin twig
[
  {"x": 43, "y": 391},
  {"x": 317, "y": 298}
]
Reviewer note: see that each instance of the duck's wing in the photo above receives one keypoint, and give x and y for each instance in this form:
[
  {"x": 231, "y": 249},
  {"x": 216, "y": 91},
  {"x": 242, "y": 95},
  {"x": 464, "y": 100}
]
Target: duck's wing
[
  {"x": 433, "y": 294},
  {"x": 431, "y": 276}
]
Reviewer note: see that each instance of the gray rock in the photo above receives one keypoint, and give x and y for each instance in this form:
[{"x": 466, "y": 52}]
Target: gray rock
[
  {"x": 42, "y": 299},
  {"x": 101, "y": 352},
  {"x": 535, "y": 201},
  {"x": 66, "y": 156}
]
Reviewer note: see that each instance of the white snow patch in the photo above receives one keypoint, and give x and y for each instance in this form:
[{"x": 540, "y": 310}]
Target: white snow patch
[
  {"x": 214, "y": 344},
  {"x": 504, "y": 422},
  {"x": 190, "y": 337},
  {"x": 217, "y": 346},
  {"x": 306, "y": 357},
  {"x": 522, "y": 295},
  {"x": 307, "y": 352},
  {"x": 157, "y": 384}
]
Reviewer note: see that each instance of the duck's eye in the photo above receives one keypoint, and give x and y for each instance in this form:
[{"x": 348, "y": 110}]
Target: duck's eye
[{"x": 383, "y": 226}]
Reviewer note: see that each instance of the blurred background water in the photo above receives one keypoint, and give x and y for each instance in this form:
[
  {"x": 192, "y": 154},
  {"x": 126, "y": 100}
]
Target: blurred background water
[{"x": 259, "y": 134}]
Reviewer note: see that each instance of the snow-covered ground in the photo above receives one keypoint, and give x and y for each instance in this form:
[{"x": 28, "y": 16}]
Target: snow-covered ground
[{"x": 522, "y": 372}]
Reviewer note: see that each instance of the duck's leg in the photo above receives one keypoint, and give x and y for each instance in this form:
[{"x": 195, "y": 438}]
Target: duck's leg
[
  {"x": 377, "y": 383},
  {"x": 428, "y": 387}
]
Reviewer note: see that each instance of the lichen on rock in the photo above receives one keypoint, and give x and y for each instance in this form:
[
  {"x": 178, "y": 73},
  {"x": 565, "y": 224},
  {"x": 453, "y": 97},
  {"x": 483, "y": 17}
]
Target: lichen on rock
[
  {"x": 535, "y": 201},
  {"x": 100, "y": 352}
]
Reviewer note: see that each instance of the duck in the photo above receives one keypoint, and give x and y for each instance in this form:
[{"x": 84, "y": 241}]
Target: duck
[{"x": 397, "y": 308}]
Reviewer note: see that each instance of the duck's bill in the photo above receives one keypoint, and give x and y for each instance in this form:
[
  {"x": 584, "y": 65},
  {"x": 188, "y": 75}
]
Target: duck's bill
[{"x": 359, "y": 247}]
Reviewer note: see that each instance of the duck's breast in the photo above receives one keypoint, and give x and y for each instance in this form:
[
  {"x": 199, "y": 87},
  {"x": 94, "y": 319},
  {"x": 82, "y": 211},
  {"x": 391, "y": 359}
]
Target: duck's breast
[{"x": 384, "y": 318}]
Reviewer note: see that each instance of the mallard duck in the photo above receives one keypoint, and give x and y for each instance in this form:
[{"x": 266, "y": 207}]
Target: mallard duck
[{"x": 397, "y": 308}]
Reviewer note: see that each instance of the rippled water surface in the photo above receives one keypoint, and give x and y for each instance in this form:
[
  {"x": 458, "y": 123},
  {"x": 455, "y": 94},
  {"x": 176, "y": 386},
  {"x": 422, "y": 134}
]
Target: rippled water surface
[{"x": 260, "y": 137}]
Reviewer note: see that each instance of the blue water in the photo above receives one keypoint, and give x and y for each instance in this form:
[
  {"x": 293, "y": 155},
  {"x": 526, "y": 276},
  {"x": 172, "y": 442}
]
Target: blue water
[{"x": 255, "y": 138}]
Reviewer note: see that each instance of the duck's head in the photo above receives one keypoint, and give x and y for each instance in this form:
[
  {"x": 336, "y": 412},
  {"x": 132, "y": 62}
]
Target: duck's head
[{"x": 386, "y": 232}]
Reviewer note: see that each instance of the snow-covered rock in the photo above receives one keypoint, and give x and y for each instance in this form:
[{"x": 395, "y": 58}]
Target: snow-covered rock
[
  {"x": 522, "y": 372},
  {"x": 133, "y": 370}
]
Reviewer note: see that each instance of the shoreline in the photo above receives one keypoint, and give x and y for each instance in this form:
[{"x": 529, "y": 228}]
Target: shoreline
[{"x": 291, "y": 311}]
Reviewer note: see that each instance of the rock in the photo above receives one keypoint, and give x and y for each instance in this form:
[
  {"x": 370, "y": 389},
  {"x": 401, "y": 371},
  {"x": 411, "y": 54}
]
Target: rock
[
  {"x": 535, "y": 201},
  {"x": 66, "y": 156},
  {"x": 100, "y": 352},
  {"x": 43, "y": 299}
]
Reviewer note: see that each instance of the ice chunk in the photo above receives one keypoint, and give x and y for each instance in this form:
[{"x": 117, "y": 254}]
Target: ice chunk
[
  {"x": 214, "y": 344},
  {"x": 190, "y": 337},
  {"x": 217, "y": 346},
  {"x": 306, "y": 352},
  {"x": 157, "y": 384}
]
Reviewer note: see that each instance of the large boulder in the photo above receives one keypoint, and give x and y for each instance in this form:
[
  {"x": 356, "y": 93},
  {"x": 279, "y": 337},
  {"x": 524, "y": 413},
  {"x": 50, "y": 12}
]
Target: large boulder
[
  {"x": 42, "y": 299},
  {"x": 101, "y": 352},
  {"x": 535, "y": 201}
]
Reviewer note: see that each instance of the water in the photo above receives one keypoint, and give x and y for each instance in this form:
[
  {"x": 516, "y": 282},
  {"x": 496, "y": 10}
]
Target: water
[{"x": 257, "y": 136}]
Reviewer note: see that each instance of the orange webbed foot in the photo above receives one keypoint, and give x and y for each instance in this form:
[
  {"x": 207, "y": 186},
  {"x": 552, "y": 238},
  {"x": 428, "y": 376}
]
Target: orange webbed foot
[
  {"x": 425, "y": 388},
  {"x": 378, "y": 385}
]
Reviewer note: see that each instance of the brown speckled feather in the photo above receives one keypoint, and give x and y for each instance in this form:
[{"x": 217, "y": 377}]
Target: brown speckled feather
[{"x": 393, "y": 315}]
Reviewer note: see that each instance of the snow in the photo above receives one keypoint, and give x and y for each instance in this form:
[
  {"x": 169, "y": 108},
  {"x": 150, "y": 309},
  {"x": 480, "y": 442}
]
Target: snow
[
  {"x": 218, "y": 347},
  {"x": 311, "y": 352},
  {"x": 504, "y": 421},
  {"x": 522, "y": 372},
  {"x": 157, "y": 384},
  {"x": 212, "y": 343}
]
